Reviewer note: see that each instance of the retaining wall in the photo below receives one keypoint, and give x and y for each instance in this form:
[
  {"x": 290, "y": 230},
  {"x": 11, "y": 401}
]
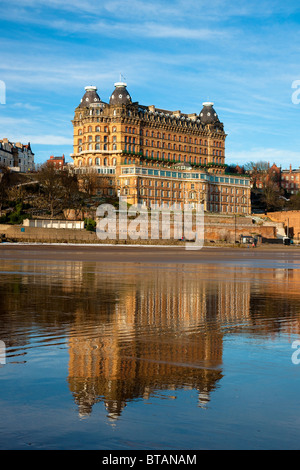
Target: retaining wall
[{"x": 217, "y": 230}]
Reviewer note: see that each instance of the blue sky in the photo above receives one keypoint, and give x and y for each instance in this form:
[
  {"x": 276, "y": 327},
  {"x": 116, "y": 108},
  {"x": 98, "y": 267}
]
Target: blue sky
[{"x": 244, "y": 56}]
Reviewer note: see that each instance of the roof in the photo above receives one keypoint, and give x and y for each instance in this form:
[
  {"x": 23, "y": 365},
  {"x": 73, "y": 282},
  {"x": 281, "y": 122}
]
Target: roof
[
  {"x": 208, "y": 115},
  {"x": 120, "y": 95},
  {"x": 90, "y": 97}
]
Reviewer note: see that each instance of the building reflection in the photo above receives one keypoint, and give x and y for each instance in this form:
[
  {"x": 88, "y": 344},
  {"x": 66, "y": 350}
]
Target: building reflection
[
  {"x": 138, "y": 331},
  {"x": 164, "y": 334}
]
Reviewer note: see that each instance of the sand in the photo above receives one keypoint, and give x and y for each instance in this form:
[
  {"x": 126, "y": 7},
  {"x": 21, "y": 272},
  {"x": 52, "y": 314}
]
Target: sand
[{"x": 137, "y": 254}]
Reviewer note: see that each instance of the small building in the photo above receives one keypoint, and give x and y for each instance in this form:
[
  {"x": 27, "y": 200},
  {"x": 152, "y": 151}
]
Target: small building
[
  {"x": 6, "y": 155},
  {"x": 58, "y": 162},
  {"x": 290, "y": 180},
  {"x": 53, "y": 223},
  {"x": 16, "y": 156}
]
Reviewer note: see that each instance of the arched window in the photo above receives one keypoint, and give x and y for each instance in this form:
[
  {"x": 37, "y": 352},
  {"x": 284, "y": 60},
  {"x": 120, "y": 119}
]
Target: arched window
[
  {"x": 90, "y": 161},
  {"x": 98, "y": 161},
  {"x": 105, "y": 162}
]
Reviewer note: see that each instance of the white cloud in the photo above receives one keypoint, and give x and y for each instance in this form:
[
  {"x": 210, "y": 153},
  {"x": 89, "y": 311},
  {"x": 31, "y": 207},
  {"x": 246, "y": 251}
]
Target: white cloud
[
  {"x": 25, "y": 106},
  {"x": 51, "y": 140}
]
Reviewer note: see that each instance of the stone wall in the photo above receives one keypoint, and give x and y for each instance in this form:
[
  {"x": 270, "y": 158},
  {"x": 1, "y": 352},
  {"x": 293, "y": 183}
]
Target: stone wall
[
  {"x": 290, "y": 219},
  {"x": 217, "y": 229},
  {"x": 44, "y": 235}
]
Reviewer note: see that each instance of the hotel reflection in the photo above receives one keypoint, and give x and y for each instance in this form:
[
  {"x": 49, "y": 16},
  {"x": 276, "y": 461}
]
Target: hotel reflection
[
  {"x": 164, "y": 333},
  {"x": 134, "y": 331}
]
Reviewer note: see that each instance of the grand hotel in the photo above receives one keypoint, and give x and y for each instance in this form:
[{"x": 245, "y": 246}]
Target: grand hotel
[{"x": 154, "y": 156}]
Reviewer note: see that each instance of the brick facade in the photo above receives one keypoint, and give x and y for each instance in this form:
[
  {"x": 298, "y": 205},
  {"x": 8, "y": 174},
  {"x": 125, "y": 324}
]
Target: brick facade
[{"x": 156, "y": 157}]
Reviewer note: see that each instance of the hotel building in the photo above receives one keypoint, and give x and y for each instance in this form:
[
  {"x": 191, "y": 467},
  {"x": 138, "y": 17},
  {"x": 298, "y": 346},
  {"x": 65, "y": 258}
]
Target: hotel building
[{"x": 156, "y": 157}]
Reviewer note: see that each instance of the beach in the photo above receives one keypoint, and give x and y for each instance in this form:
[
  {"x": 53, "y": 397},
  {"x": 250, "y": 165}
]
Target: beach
[
  {"x": 125, "y": 347},
  {"x": 145, "y": 254}
]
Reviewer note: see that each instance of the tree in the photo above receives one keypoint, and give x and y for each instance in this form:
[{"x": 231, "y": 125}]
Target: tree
[
  {"x": 259, "y": 166},
  {"x": 73, "y": 197},
  {"x": 4, "y": 186},
  {"x": 51, "y": 194},
  {"x": 89, "y": 182},
  {"x": 294, "y": 202},
  {"x": 272, "y": 196},
  {"x": 59, "y": 190}
]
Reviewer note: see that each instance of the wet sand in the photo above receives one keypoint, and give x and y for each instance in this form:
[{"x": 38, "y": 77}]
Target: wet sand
[{"x": 148, "y": 254}]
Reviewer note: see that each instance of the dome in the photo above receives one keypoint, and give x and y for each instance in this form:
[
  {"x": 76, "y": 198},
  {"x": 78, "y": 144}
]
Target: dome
[
  {"x": 90, "y": 97},
  {"x": 120, "y": 95},
  {"x": 208, "y": 115}
]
